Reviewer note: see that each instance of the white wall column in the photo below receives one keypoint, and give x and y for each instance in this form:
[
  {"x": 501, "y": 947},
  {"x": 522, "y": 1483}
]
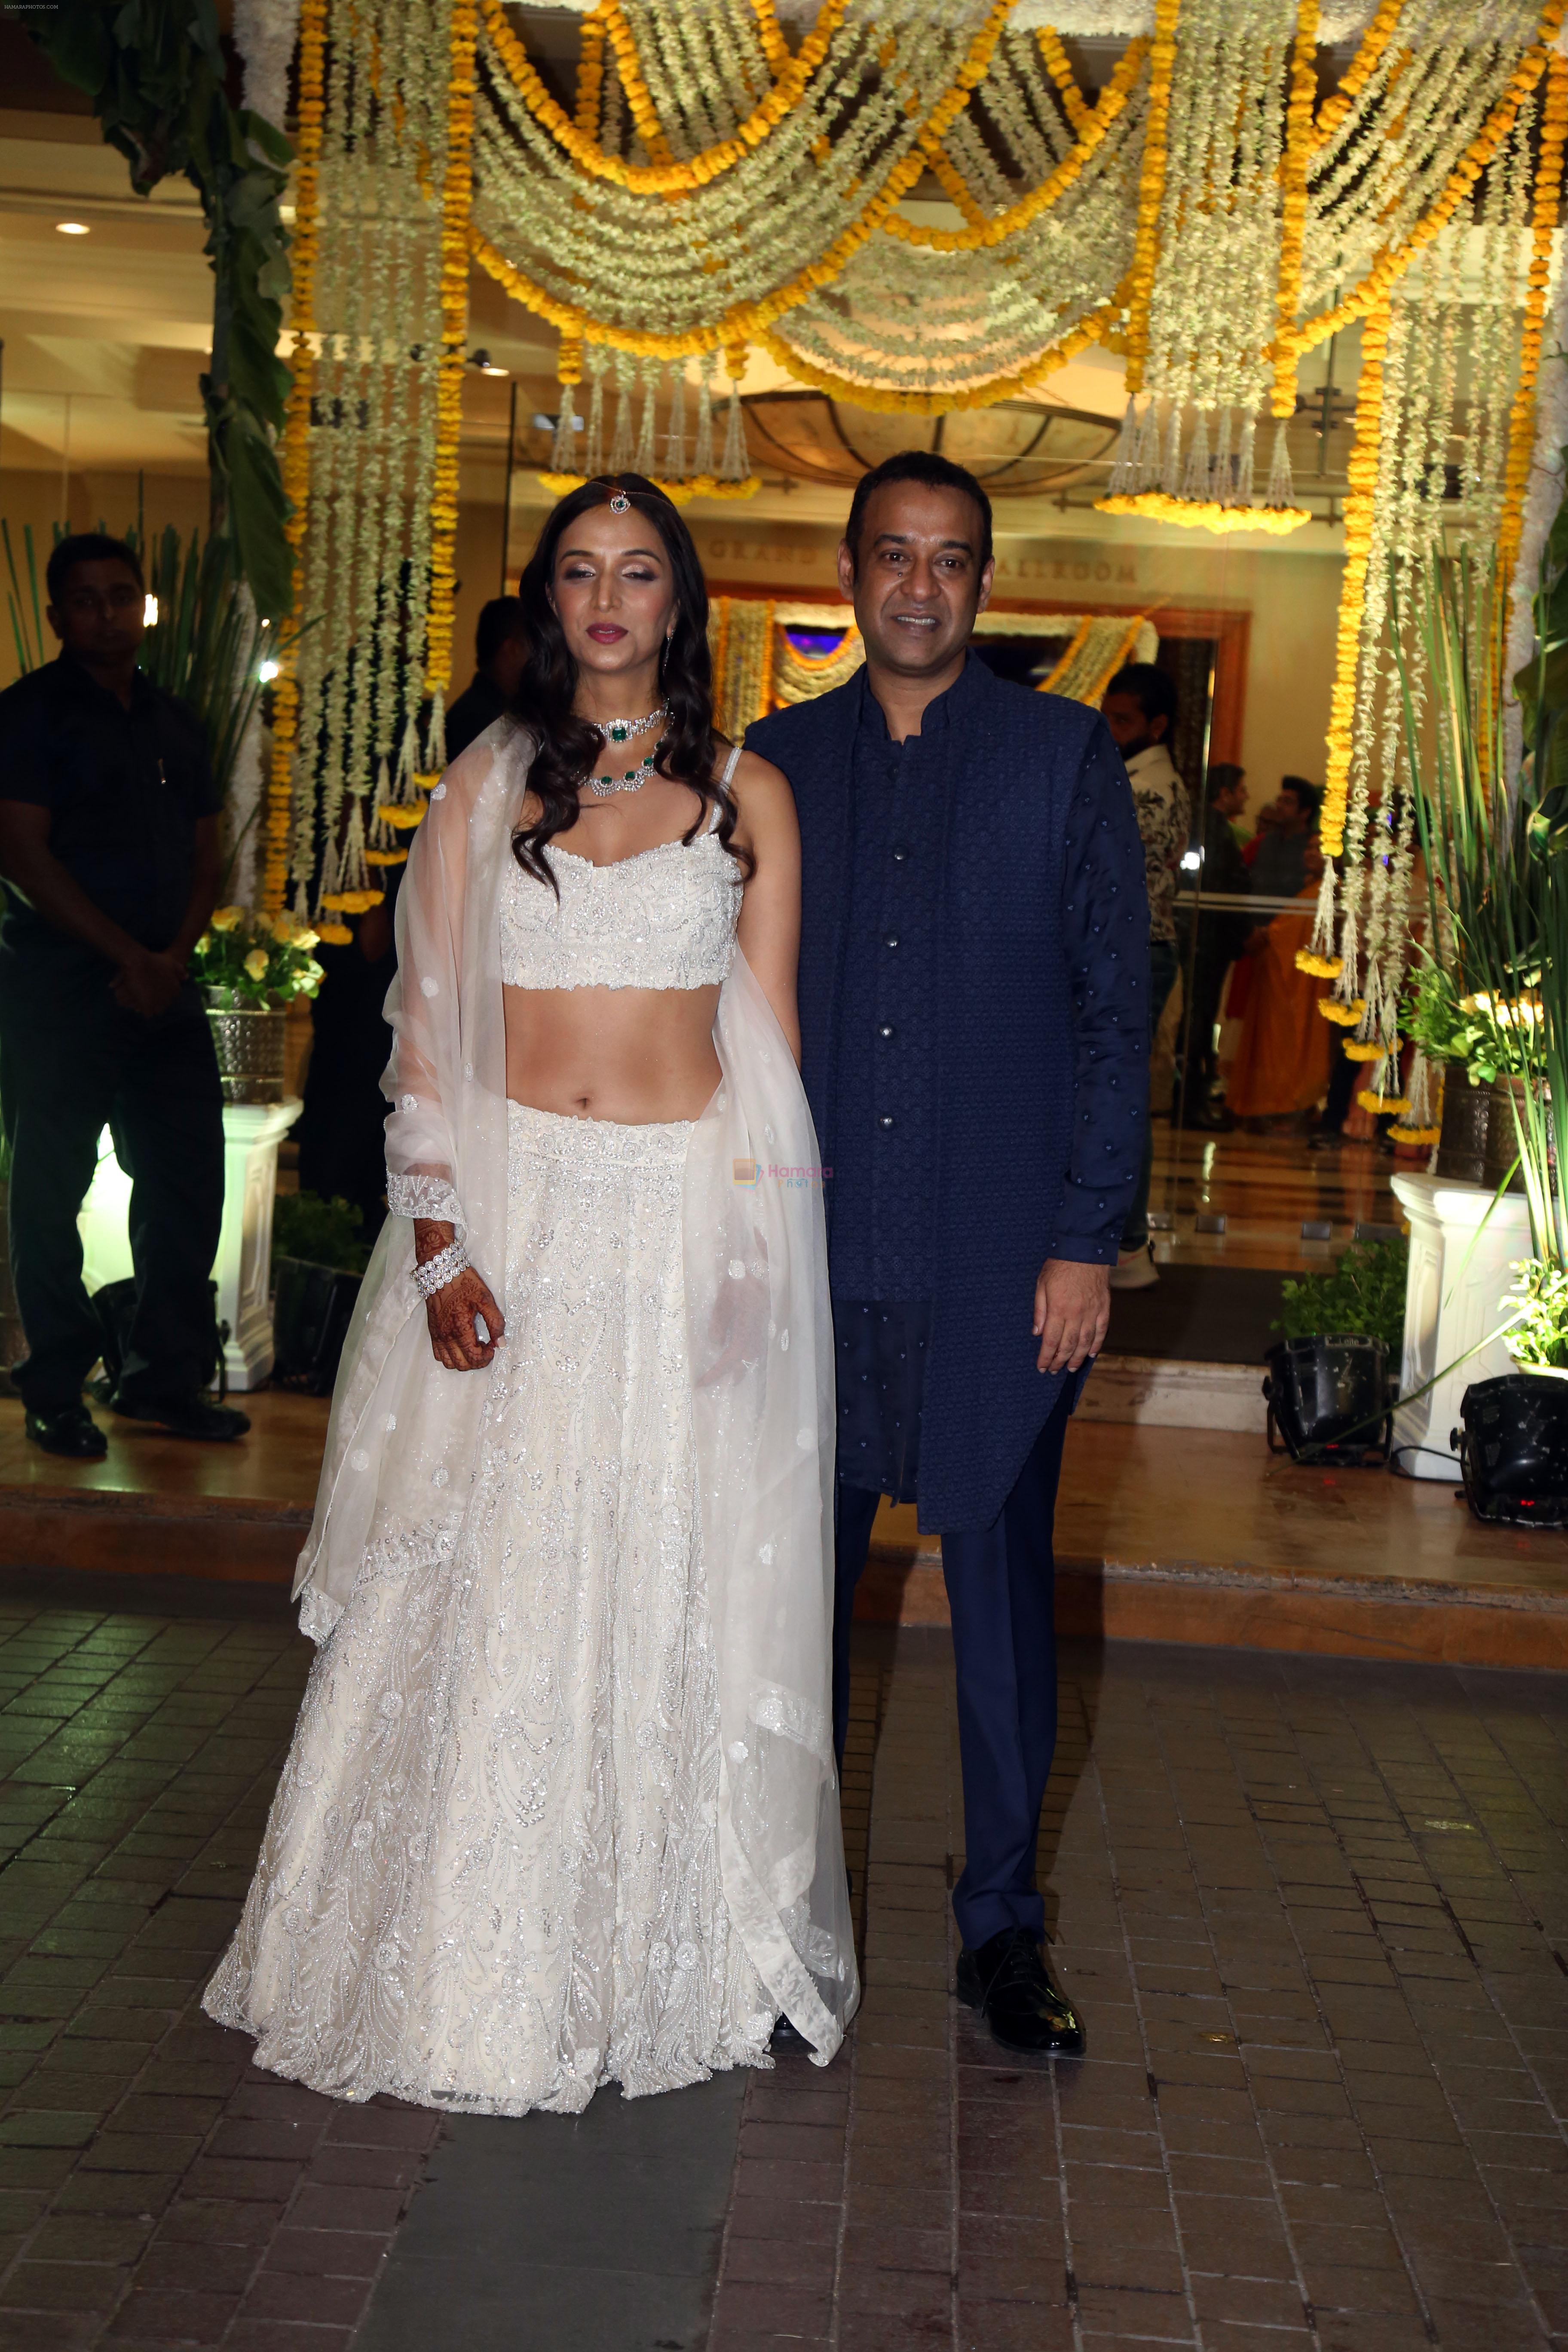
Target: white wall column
[
  {"x": 1463, "y": 1241},
  {"x": 242, "y": 1270}
]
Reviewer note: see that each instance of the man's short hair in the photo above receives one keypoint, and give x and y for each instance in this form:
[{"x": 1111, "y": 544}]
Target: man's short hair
[
  {"x": 932, "y": 473},
  {"x": 499, "y": 621},
  {"x": 1309, "y": 796},
  {"x": 88, "y": 547},
  {"x": 1150, "y": 688},
  {"x": 1222, "y": 778}
]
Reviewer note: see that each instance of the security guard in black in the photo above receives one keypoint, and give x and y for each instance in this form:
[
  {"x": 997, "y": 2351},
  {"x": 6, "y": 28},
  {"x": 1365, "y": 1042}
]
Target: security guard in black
[{"x": 109, "y": 846}]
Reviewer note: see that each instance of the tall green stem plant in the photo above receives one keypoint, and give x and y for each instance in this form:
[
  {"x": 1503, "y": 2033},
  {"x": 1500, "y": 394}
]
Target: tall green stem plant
[{"x": 1495, "y": 850}]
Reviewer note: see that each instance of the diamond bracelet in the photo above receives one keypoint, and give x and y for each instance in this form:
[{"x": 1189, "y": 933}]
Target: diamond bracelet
[{"x": 438, "y": 1271}]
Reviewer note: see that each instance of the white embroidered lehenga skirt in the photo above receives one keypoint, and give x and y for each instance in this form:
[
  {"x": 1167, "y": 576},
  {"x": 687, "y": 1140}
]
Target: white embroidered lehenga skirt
[{"x": 491, "y": 1878}]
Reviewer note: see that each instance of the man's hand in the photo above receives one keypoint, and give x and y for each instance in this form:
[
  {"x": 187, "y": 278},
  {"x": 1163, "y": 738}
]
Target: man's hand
[
  {"x": 147, "y": 983},
  {"x": 1072, "y": 1311}
]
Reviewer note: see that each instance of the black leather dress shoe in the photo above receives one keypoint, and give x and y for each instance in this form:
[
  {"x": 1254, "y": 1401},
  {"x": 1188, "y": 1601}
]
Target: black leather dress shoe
[
  {"x": 1009, "y": 1981},
  {"x": 788, "y": 2041},
  {"x": 184, "y": 1416},
  {"x": 71, "y": 1432}
]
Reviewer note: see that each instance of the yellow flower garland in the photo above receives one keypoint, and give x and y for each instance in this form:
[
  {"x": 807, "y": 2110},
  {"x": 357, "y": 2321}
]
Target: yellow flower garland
[
  {"x": 1393, "y": 261},
  {"x": 992, "y": 231},
  {"x": 1421, "y": 1136},
  {"x": 457, "y": 192},
  {"x": 1204, "y": 514},
  {"x": 664, "y": 177},
  {"x": 1362, "y": 474},
  {"x": 294, "y": 458},
  {"x": 1379, "y": 1104},
  {"x": 1089, "y": 329},
  {"x": 1322, "y": 967},
  {"x": 1293, "y": 201},
  {"x": 1348, "y": 1016},
  {"x": 1360, "y": 71},
  {"x": 1521, "y": 418},
  {"x": 1151, "y": 189},
  {"x": 591, "y": 74},
  {"x": 1059, "y": 67},
  {"x": 745, "y": 323}
]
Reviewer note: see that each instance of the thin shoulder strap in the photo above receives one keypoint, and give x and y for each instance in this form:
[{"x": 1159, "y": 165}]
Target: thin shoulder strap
[{"x": 724, "y": 780}]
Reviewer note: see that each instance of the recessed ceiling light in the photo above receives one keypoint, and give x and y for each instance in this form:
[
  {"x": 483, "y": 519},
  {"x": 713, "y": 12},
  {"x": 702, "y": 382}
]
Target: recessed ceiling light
[{"x": 71, "y": 228}]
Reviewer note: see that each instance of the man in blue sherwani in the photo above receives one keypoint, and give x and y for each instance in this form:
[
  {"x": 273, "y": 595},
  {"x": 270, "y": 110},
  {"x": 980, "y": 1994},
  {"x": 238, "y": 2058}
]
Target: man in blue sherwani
[{"x": 973, "y": 1007}]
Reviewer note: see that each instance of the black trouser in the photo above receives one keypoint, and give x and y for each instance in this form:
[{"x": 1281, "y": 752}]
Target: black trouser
[
  {"x": 73, "y": 1061},
  {"x": 1000, "y": 1590}
]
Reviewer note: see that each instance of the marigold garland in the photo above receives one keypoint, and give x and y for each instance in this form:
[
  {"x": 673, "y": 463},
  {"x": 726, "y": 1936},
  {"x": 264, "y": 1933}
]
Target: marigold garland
[
  {"x": 1091, "y": 330},
  {"x": 1059, "y": 67},
  {"x": 1348, "y": 1016},
  {"x": 295, "y": 455},
  {"x": 747, "y": 320},
  {"x": 1204, "y": 514},
  {"x": 1361, "y": 472},
  {"x": 1360, "y": 71},
  {"x": 1151, "y": 189},
  {"x": 1293, "y": 200},
  {"x": 664, "y": 177},
  {"x": 1522, "y": 419},
  {"x": 456, "y": 194},
  {"x": 1371, "y": 294},
  {"x": 1040, "y": 199}
]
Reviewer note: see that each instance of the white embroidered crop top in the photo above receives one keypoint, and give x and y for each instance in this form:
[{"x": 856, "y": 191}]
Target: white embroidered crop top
[{"x": 665, "y": 918}]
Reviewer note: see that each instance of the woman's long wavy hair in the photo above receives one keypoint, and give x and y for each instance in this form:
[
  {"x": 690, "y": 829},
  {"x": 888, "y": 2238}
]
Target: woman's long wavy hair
[{"x": 568, "y": 748}]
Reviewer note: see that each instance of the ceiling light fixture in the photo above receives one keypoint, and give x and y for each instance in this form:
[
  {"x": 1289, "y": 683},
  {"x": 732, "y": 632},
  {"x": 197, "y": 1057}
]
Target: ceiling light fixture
[{"x": 71, "y": 228}]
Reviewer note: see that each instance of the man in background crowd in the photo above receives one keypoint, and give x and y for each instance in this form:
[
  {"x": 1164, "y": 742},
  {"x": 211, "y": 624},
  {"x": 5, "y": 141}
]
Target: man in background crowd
[
  {"x": 109, "y": 843},
  {"x": 1279, "y": 866},
  {"x": 1221, "y": 937},
  {"x": 500, "y": 651},
  {"x": 1139, "y": 709}
]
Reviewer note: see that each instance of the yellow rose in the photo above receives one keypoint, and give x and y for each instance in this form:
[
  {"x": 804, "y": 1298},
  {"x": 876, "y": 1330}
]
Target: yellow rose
[
  {"x": 226, "y": 918},
  {"x": 283, "y": 929},
  {"x": 256, "y": 963},
  {"x": 305, "y": 941}
]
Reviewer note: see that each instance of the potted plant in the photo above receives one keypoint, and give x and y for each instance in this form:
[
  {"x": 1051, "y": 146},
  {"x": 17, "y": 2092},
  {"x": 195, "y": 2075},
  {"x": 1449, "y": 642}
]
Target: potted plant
[
  {"x": 250, "y": 966},
  {"x": 319, "y": 1255},
  {"x": 1329, "y": 1388},
  {"x": 1496, "y": 848}
]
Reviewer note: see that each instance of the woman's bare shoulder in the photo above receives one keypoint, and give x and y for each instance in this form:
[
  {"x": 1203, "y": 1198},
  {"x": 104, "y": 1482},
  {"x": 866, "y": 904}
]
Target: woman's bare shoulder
[{"x": 762, "y": 793}]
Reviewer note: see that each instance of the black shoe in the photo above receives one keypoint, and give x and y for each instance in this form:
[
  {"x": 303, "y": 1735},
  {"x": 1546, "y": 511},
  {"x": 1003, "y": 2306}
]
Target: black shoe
[
  {"x": 1009, "y": 1981},
  {"x": 71, "y": 1432},
  {"x": 788, "y": 2041},
  {"x": 184, "y": 1416}
]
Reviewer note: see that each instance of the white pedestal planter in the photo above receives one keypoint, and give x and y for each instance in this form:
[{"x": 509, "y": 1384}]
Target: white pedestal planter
[
  {"x": 1463, "y": 1244},
  {"x": 252, "y": 1134}
]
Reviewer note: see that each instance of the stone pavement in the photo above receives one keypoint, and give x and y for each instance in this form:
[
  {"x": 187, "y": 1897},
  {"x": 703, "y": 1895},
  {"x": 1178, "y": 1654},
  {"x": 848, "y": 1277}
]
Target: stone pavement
[{"x": 1316, "y": 1914}]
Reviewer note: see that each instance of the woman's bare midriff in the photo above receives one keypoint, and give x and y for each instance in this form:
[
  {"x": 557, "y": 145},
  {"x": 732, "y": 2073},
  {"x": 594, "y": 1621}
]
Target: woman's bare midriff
[{"x": 639, "y": 1056}]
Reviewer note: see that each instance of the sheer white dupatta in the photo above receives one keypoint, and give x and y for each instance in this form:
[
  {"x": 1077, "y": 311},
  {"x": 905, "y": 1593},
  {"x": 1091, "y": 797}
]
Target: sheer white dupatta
[
  {"x": 763, "y": 1406},
  {"x": 404, "y": 1441}
]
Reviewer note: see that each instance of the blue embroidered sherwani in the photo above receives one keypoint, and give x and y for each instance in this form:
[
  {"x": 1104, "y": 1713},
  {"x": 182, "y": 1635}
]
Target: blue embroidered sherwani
[{"x": 1010, "y": 1133}]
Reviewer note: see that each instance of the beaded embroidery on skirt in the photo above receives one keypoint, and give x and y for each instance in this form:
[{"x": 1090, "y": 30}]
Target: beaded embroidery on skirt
[{"x": 491, "y": 1878}]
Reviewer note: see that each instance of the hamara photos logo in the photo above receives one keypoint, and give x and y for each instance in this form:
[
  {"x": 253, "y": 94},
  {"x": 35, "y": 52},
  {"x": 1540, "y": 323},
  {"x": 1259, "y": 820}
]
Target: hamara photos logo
[{"x": 773, "y": 1172}]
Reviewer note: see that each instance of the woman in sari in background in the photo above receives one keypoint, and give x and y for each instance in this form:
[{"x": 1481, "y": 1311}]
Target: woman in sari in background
[{"x": 1282, "y": 1064}]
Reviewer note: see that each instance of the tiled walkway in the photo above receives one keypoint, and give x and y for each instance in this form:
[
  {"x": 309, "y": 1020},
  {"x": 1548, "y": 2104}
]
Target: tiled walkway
[{"x": 1316, "y": 1914}]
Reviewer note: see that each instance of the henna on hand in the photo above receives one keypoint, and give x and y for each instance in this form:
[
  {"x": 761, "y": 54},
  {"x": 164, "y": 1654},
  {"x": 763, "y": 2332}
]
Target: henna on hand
[{"x": 450, "y": 1313}]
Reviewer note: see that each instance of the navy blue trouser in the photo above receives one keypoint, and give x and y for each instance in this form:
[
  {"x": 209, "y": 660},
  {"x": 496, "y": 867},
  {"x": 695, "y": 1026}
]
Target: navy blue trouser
[{"x": 1000, "y": 1590}]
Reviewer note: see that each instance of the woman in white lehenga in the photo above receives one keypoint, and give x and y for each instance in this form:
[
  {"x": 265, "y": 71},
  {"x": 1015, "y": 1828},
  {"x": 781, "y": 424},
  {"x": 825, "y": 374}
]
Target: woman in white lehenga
[{"x": 561, "y": 1807}]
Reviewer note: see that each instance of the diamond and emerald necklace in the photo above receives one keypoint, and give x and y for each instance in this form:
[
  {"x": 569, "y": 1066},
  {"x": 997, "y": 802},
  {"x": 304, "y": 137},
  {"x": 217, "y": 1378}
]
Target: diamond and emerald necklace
[{"x": 618, "y": 730}]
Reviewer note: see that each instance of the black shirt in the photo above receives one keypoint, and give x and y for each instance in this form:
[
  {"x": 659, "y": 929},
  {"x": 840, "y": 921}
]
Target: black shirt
[
  {"x": 478, "y": 706},
  {"x": 124, "y": 790},
  {"x": 880, "y": 1231}
]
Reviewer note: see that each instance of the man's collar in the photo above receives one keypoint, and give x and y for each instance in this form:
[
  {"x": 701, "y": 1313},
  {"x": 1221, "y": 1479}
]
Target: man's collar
[
  {"x": 1153, "y": 761},
  {"x": 941, "y": 708},
  {"x": 76, "y": 673}
]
